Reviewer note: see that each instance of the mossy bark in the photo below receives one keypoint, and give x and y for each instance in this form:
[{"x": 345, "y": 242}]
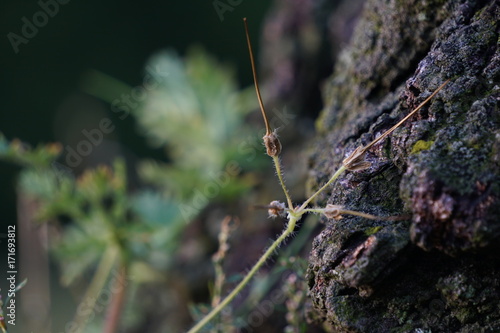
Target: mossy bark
[{"x": 438, "y": 270}]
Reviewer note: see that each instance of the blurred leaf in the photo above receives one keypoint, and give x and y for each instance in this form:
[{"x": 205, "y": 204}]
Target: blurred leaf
[
  {"x": 142, "y": 272},
  {"x": 195, "y": 110},
  {"x": 152, "y": 208},
  {"x": 102, "y": 86},
  {"x": 42, "y": 183},
  {"x": 165, "y": 223},
  {"x": 21, "y": 153},
  {"x": 77, "y": 252}
]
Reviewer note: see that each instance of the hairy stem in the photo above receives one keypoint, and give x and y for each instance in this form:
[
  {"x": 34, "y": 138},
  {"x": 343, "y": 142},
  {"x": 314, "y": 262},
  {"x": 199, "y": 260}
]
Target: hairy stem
[
  {"x": 277, "y": 165},
  {"x": 332, "y": 179},
  {"x": 215, "y": 311}
]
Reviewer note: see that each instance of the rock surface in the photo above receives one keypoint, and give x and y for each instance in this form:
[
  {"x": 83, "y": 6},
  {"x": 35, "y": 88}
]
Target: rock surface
[{"x": 438, "y": 270}]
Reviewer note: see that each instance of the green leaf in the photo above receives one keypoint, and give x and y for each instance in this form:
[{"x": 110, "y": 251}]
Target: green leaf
[
  {"x": 195, "y": 110},
  {"x": 78, "y": 252},
  {"x": 21, "y": 153},
  {"x": 154, "y": 209}
]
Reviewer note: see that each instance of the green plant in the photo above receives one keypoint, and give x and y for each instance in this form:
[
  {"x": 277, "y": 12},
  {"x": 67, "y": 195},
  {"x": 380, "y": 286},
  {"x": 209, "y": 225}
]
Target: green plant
[
  {"x": 105, "y": 232},
  {"x": 195, "y": 113},
  {"x": 104, "y": 227},
  {"x": 354, "y": 162}
]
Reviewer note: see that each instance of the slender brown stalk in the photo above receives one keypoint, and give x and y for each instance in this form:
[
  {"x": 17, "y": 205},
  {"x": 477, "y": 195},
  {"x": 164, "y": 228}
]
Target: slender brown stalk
[
  {"x": 389, "y": 131},
  {"x": 116, "y": 306},
  {"x": 356, "y": 160},
  {"x": 256, "y": 82},
  {"x": 374, "y": 217},
  {"x": 219, "y": 256}
]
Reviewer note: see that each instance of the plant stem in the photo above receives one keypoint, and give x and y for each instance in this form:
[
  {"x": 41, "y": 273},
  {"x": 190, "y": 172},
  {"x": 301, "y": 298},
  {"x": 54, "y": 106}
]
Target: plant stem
[
  {"x": 277, "y": 165},
  {"x": 92, "y": 293},
  {"x": 256, "y": 82},
  {"x": 390, "y": 130},
  {"x": 215, "y": 311},
  {"x": 115, "y": 308},
  {"x": 314, "y": 210},
  {"x": 356, "y": 213},
  {"x": 332, "y": 179}
]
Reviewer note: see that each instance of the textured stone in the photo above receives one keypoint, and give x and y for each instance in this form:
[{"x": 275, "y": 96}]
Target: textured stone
[{"x": 441, "y": 168}]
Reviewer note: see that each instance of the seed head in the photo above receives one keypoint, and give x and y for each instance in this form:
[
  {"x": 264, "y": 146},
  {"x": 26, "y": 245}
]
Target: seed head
[
  {"x": 356, "y": 161},
  {"x": 276, "y": 209},
  {"x": 272, "y": 143},
  {"x": 333, "y": 211}
]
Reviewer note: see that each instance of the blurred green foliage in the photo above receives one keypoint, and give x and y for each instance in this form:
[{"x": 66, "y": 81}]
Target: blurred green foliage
[
  {"x": 96, "y": 212},
  {"x": 20, "y": 153},
  {"x": 197, "y": 113}
]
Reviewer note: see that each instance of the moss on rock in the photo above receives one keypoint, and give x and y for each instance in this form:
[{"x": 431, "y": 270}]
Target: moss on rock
[
  {"x": 421, "y": 145},
  {"x": 442, "y": 167}
]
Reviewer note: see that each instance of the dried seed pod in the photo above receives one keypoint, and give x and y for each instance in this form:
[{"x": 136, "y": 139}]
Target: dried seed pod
[
  {"x": 356, "y": 161},
  {"x": 272, "y": 143},
  {"x": 276, "y": 209},
  {"x": 333, "y": 211}
]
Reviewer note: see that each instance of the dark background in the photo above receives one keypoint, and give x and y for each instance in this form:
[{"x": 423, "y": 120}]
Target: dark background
[{"x": 113, "y": 37}]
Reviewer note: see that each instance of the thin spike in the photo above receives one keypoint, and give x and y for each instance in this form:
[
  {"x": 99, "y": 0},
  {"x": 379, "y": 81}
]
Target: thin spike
[
  {"x": 256, "y": 82},
  {"x": 380, "y": 138},
  {"x": 356, "y": 160}
]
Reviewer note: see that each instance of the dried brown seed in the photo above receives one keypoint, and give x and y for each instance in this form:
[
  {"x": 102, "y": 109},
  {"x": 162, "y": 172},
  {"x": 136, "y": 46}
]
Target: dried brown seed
[
  {"x": 356, "y": 161},
  {"x": 272, "y": 143},
  {"x": 276, "y": 209},
  {"x": 333, "y": 211}
]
